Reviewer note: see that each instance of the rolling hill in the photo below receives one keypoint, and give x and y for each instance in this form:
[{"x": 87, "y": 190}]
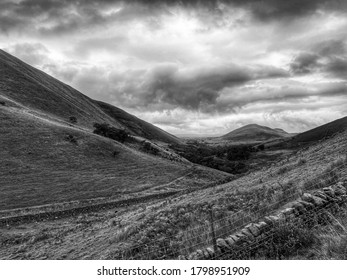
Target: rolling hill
[
  {"x": 254, "y": 133},
  {"x": 321, "y": 132},
  {"x": 45, "y": 158},
  {"x": 32, "y": 89}
]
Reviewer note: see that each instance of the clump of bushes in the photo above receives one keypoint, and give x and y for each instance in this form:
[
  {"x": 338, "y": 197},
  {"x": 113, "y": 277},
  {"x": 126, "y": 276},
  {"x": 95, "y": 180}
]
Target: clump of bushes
[
  {"x": 231, "y": 159},
  {"x": 115, "y": 153},
  {"x": 149, "y": 148},
  {"x": 283, "y": 169},
  {"x": 239, "y": 153},
  {"x": 70, "y": 138},
  {"x": 73, "y": 119},
  {"x": 287, "y": 240},
  {"x": 301, "y": 161},
  {"x": 108, "y": 131}
]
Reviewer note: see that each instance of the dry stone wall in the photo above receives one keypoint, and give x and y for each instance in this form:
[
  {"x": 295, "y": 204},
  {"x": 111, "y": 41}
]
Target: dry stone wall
[{"x": 326, "y": 199}]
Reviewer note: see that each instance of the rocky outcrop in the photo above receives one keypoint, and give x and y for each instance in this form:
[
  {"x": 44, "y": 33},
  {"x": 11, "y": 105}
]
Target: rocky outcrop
[{"x": 254, "y": 233}]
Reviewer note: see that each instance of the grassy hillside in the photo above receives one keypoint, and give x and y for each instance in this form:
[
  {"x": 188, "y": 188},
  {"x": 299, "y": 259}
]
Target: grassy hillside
[
  {"x": 169, "y": 227},
  {"x": 46, "y": 158},
  {"x": 254, "y": 132},
  {"x": 321, "y": 132},
  {"x": 43, "y": 161},
  {"x": 35, "y": 90}
]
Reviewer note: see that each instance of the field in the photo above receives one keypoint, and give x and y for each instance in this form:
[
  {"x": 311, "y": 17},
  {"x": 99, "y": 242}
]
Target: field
[
  {"x": 41, "y": 165},
  {"x": 168, "y": 227}
]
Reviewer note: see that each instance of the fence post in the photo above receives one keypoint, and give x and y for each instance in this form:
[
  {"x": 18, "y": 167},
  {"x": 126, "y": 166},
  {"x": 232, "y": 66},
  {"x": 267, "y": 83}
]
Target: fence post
[{"x": 213, "y": 233}]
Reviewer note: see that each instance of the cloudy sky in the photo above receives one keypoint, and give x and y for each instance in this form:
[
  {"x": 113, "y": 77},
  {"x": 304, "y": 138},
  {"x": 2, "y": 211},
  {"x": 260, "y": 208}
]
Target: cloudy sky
[{"x": 192, "y": 67}]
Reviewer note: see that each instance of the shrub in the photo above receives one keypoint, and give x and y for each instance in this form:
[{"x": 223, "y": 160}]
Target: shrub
[
  {"x": 3, "y": 103},
  {"x": 148, "y": 148},
  {"x": 73, "y": 119},
  {"x": 111, "y": 132},
  {"x": 71, "y": 138},
  {"x": 287, "y": 239},
  {"x": 239, "y": 153},
  {"x": 301, "y": 161},
  {"x": 282, "y": 170}
]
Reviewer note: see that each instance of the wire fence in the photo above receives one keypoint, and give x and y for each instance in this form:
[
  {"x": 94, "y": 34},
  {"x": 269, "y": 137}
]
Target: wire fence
[
  {"x": 310, "y": 220},
  {"x": 205, "y": 233},
  {"x": 201, "y": 236}
]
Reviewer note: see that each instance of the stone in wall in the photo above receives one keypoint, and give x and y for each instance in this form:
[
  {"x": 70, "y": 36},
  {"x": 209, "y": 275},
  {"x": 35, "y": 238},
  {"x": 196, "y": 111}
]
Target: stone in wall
[
  {"x": 223, "y": 245},
  {"x": 288, "y": 213},
  {"x": 328, "y": 196},
  {"x": 253, "y": 229},
  {"x": 329, "y": 191},
  {"x": 211, "y": 252},
  {"x": 315, "y": 200},
  {"x": 308, "y": 205}
]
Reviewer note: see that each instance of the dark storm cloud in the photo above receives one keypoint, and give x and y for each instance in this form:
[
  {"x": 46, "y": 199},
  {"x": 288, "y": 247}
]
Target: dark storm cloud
[
  {"x": 305, "y": 63},
  {"x": 167, "y": 86},
  {"x": 331, "y": 47},
  {"x": 262, "y": 9},
  {"x": 63, "y": 16},
  {"x": 192, "y": 89},
  {"x": 338, "y": 67},
  {"x": 284, "y": 9},
  {"x": 199, "y": 89},
  {"x": 294, "y": 94},
  {"x": 56, "y": 16},
  {"x": 50, "y": 15},
  {"x": 330, "y": 57}
]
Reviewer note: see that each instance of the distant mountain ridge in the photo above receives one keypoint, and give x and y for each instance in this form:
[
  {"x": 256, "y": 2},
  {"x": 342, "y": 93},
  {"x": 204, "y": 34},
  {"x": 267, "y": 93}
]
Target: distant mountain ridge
[{"x": 255, "y": 132}]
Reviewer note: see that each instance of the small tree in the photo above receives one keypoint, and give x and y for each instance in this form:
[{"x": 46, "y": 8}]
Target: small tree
[
  {"x": 73, "y": 119},
  {"x": 106, "y": 130},
  {"x": 71, "y": 138},
  {"x": 148, "y": 148},
  {"x": 239, "y": 153}
]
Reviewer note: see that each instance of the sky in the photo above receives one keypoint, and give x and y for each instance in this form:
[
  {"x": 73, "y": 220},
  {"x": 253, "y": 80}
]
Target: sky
[{"x": 192, "y": 67}]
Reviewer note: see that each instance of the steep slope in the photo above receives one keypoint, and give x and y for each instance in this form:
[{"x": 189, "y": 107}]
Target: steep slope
[
  {"x": 35, "y": 90},
  {"x": 254, "y": 132},
  {"x": 45, "y": 159},
  {"x": 321, "y": 132},
  {"x": 137, "y": 126},
  {"x": 180, "y": 226}
]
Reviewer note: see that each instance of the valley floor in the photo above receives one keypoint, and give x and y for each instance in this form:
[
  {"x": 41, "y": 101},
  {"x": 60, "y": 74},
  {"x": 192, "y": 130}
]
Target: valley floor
[{"x": 167, "y": 227}]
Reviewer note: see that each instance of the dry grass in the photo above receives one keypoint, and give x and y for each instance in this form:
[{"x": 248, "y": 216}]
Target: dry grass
[
  {"x": 169, "y": 227},
  {"x": 49, "y": 155},
  {"x": 328, "y": 176},
  {"x": 38, "y": 166},
  {"x": 238, "y": 206}
]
